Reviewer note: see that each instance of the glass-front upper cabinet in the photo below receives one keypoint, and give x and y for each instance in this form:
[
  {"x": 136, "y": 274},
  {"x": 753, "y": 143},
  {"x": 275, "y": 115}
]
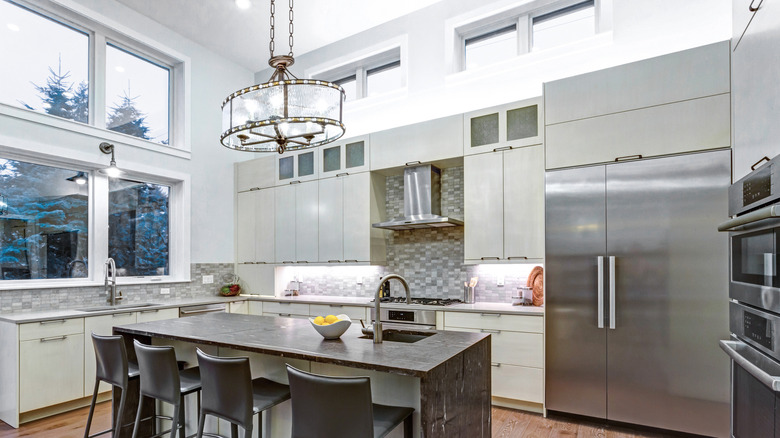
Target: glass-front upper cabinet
[
  {"x": 344, "y": 157},
  {"x": 512, "y": 125},
  {"x": 298, "y": 166}
]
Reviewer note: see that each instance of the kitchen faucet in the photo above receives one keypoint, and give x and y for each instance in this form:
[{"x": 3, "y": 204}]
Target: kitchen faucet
[
  {"x": 377, "y": 328},
  {"x": 113, "y": 297}
]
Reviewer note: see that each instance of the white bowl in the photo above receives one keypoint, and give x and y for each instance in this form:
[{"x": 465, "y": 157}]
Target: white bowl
[{"x": 335, "y": 330}]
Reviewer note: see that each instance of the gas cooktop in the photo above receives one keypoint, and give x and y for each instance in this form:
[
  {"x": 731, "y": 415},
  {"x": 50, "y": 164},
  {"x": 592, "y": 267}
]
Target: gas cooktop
[{"x": 424, "y": 301}]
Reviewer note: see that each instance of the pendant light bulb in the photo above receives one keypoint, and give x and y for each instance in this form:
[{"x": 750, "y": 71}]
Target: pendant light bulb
[{"x": 111, "y": 171}]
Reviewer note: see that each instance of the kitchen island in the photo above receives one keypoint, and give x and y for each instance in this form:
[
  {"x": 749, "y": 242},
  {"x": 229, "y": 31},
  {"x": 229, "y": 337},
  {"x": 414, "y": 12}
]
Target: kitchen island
[{"x": 444, "y": 376}]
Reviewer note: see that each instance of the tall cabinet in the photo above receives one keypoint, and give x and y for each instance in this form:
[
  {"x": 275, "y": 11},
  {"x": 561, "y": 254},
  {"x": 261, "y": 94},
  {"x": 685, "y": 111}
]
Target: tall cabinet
[{"x": 754, "y": 82}]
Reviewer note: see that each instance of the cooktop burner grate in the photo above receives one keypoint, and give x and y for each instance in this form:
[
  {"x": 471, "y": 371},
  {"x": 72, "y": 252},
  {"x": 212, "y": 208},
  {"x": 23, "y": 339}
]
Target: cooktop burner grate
[{"x": 424, "y": 301}]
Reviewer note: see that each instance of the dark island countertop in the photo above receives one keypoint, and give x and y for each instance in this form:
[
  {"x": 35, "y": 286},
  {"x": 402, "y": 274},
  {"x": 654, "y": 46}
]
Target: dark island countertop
[{"x": 296, "y": 338}]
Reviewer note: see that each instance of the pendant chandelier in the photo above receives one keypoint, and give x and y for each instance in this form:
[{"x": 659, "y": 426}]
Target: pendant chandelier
[{"x": 285, "y": 113}]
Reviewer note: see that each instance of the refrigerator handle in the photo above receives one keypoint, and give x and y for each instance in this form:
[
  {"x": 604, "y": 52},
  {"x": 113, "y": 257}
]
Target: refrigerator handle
[
  {"x": 612, "y": 292},
  {"x": 600, "y": 320}
]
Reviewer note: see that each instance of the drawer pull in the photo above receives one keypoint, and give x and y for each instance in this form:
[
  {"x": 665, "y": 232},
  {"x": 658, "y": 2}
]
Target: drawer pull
[
  {"x": 117, "y": 315},
  {"x": 295, "y": 182},
  {"x": 490, "y": 258},
  {"x": 287, "y": 261},
  {"x": 629, "y": 157},
  {"x": 412, "y": 163},
  {"x": 495, "y": 364},
  {"x": 350, "y": 261},
  {"x": 336, "y": 305},
  {"x": 150, "y": 311},
  {"x": 753, "y": 167},
  {"x": 302, "y": 261},
  {"x": 54, "y": 321},
  {"x": 497, "y": 315},
  {"x": 517, "y": 258},
  {"x": 495, "y": 332},
  {"x": 285, "y": 314},
  {"x": 54, "y": 338},
  {"x": 334, "y": 261},
  {"x": 254, "y": 188},
  {"x": 338, "y": 175},
  {"x": 752, "y": 9},
  {"x": 505, "y": 148}
]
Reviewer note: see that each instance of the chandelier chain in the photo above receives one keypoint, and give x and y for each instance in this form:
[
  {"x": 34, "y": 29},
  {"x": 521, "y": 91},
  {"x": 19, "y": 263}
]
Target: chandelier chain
[
  {"x": 271, "y": 44},
  {"x": 291, "y": 27}
]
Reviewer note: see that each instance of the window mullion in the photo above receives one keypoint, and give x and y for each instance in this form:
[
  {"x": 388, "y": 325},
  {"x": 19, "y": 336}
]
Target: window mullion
[
  {"x": 361, "y": 87},
  {"x": 97, "y": 83},
  {"x": 524, "y": 32}
]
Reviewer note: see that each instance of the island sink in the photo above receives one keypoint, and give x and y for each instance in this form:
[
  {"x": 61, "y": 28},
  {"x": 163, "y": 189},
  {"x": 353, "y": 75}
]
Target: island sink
[{"x": 397, "y": 336}]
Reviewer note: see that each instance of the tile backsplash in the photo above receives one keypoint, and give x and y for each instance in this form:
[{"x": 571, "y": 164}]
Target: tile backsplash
[
  {"x": 18, "y": 300},
  {"x": 431, "y": 260}
]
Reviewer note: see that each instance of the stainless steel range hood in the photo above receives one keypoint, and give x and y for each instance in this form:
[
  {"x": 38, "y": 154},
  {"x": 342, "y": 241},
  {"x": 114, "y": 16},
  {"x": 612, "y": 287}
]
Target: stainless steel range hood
[{"x": 422, "y": 201}]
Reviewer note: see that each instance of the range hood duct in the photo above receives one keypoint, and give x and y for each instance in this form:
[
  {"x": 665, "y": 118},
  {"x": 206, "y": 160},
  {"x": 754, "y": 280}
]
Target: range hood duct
[{"x": 422, "y": 201}]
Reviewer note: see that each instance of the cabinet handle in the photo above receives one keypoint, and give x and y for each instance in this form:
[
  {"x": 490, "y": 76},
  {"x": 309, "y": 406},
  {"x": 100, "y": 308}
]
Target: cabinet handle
[
  {"x": 302, "y": 261},
  {"x": 150, "y": 311},
  {"x": 336, "y": 305},
  {"x": 338, "y": 175},
  {"x": 285, "y": 314},
  {"x": 753, "y": 167},
  {"x": 116, "y": 315},
  {"x": 490, "y": 258},
  {"x": 600, "y": 289},
  {"x": 612, "y": 276},
  {"x": 350, "y": 261},
  {"x": 295, "y": 182},
  {"x": 412, "y": 163},
  {"x": 288, "y": 261},
  {"x": 55, "y": 338},
  {"x": 254, "y": 188},
  {"x": 54, "y": 321},
  {"x": 260, "y": 263},
  {"x": 752, "y": 9},
  {"x": 517, "y": 258},
  {"x": 504, "y": 148},
  {"x": 334, "y": 261},
  {"x": 495, "y": 332},
  {"x": 491, "y": 314},
  {"x": 629, "y": 157},
  {"x": 495, "y": 364}
]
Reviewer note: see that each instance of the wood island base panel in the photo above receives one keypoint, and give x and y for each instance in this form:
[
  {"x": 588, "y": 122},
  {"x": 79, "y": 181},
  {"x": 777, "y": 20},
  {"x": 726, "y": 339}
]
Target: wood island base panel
[{"x": 446, "y": 376}]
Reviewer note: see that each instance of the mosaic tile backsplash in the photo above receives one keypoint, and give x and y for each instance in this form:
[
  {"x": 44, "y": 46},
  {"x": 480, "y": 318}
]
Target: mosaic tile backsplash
[
  {"x": 431, "y": 260},
  {"x": 71, "y": 297}
]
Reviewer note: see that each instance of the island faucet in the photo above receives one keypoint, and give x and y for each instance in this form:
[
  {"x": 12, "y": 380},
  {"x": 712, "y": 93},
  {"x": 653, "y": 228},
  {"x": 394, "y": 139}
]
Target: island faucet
[
  {"x": 110, "y": 278},
  {"x": 377, "y": 328}
]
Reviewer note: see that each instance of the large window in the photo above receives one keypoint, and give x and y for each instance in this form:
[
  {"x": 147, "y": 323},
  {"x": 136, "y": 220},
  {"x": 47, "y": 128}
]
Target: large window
[
  {"x": 491, "y": 47},
  {"x": 47, "y": 60},
  {"x": 371, "y": 76},
  {"x": 45, "y": 64},
  {"x": 383, "y": 78},
  {"x": 44, "y": 222},
  {"x": 139, "y": 227},
  {"x": 564, "y": 25}
]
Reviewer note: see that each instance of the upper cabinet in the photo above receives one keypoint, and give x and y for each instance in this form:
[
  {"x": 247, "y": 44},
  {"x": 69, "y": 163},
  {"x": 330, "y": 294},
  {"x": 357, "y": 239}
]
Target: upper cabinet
[
  {"x": 295, "y": 225},
  {"x": 255, "y": 174},
  {"x": 504, "y": 205},
  {"x": 255, "y": 223},
  {"x": 425, "y": 142},
  {"x": 755, "y": 89},
  {"x": 666, "y": 105},
  {"x": 297, "y": 166},
  {"x": 513, "y": 125},
  {"x": 344, "y": 157}
]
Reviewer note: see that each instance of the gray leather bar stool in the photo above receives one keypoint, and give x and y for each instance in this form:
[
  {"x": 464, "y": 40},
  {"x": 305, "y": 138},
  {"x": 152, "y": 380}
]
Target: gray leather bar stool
[
  {"x": 162, "y": 380},
  {"x": 113, "y": 368},
  {"x": 341, "y": 406},
  {"x": 230, "y": 393}
]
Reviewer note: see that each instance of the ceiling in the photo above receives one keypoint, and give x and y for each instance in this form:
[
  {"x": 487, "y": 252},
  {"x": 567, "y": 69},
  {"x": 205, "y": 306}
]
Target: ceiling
[{"x": 243, "y": 35}]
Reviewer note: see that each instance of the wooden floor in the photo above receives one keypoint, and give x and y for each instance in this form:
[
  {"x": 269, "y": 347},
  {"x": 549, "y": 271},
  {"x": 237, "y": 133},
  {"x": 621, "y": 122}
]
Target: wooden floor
[{"x": 507, "y": 423}]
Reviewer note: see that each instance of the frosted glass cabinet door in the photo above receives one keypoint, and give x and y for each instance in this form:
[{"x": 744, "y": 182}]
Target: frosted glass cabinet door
[
  {"x": 331, "y": 224},
  {"x": 516, "y": 124},
  {"x": 299, "y": 166},
  {"x": 284, "y": 227},
  {"x": 483, "y": 186},
  {"x": 306, "y": 222},
  {"x": 348, "y": 156},
  {"x": 245, "y": 227},
  {"x": 524, "y": 203},
  {"x": 264, "y": 225},
  {"x": 357, "y": 217}
]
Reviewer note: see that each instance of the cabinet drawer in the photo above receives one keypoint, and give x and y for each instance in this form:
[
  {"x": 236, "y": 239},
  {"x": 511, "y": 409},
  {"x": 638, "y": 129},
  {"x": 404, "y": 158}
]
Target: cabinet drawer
[
  {"x": 513, "y": 348},
  {"x": 495, "y": 321},
  {"x": 255, "y": 308},
  {"x": 354, "y": 312},
  {"x": 518, "y": 383},
  {"x": 282, "y": 307},
  {"x": 286, "y": 315},
  {"x": 45, "y": 329},
  {"x": 51, "y": 371},
  {"x": 158, "y": 314}
]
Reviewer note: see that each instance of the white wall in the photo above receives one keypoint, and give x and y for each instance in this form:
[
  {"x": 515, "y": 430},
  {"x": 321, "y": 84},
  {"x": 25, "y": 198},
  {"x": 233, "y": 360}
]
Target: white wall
[
  {"x": 209, "y": 164},
  {"x": 641, "y": 29}
]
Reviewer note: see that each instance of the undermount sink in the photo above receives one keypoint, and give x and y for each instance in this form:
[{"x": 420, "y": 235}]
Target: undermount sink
[
  {"x": 119, "y": 307},
  {"x": 404, "y": 337}
]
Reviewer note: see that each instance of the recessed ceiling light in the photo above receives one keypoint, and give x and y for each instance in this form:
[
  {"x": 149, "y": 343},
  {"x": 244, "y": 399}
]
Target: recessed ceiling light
[
  {"x": 13, "y": 27},
  {"x": 243, "y": 4},
  {"x": 119, "y": 68}
]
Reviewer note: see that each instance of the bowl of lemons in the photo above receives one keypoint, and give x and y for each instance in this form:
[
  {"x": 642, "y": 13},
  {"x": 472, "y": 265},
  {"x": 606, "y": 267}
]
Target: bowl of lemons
[{"x": 331, "y": 326}]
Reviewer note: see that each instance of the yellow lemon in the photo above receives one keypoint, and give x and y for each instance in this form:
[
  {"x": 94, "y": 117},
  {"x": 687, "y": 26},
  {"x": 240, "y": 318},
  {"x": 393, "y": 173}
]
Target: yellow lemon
[
  {"x": 319, "y": 320},
  {"x": 325, "y": 323},
  {"x": 330, "y": 319}
]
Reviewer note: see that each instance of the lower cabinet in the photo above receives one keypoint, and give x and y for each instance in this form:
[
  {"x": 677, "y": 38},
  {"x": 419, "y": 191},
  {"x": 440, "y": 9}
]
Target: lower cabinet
[
  {"x": 100, "y": 325},
  {"x": 285, "y": 309},
  {"x": 51, "y": 363},
  {"x": 303, "y": 310},
  {"x": 517, "y": 353},
  {"x": 355, "y": 313},
  {"x": 238, "y": 307}
]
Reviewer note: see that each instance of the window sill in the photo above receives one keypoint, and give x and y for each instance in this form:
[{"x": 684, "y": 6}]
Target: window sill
[
  {"x": 100, "y": 134},
  {"x": 53, "y": 284}
]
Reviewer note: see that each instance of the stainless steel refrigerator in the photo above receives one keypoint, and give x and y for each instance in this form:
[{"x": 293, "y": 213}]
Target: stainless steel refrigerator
[{"x": 637, "y": 292}]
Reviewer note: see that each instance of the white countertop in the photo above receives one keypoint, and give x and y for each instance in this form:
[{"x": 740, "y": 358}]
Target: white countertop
[{"x": 479, "y": 307}]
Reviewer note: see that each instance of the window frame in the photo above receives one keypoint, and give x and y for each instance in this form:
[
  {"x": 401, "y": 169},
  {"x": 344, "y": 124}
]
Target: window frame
[
  {"x": 374, "y": 60},
  {"x": 102, "y": 31}
]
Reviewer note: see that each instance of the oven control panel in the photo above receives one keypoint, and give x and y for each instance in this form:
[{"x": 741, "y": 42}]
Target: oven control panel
[
  {"x": 400, "y": 315},
  {"x": 755, "y": 189},
  {"x": 757, "y": 328}
]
